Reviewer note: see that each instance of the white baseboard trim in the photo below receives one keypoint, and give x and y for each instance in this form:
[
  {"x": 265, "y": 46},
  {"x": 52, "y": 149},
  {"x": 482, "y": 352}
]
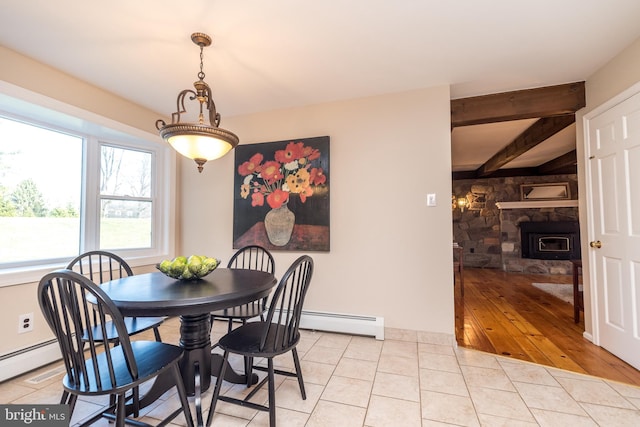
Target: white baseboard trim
[
  {"x": 343, "y": 323},
  {"x": 25, "y": 360}
]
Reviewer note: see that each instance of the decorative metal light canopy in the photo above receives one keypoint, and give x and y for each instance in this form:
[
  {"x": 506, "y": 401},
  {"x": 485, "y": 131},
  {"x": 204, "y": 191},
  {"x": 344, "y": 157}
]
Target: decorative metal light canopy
[{"x": 198, "y": 141}]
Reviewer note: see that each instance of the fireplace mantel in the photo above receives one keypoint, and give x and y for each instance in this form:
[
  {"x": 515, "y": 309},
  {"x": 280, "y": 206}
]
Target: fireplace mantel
[{"x": 537, "y": 204}]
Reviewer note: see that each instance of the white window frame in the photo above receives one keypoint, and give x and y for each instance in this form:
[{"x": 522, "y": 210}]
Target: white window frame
[
  {"x": 153, "y": 197},
  {"x": 34, "y": 108}
]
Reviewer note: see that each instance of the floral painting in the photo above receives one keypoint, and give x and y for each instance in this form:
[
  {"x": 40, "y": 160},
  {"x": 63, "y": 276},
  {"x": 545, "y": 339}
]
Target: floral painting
[{"x": 281, "y": 195}]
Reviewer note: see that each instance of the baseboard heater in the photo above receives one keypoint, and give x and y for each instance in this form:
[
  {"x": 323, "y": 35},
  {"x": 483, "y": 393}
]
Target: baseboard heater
[
  {"x": 36, "y": 356},
  {"x": 343, "y": 323},
  {"x": 27, "y": 359}
]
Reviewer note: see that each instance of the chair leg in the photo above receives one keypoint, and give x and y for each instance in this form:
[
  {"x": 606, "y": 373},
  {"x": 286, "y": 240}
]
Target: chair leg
[
  {"x": 121, "y": 403},
  {"x": 112, "y": 400},
  {"x": 216, "y": 390},
  {"x": 230, "y": 326},
  {"x": 69, "y": 399},
  {"x": 135, "y": 396},
  {"x": 248, "y": 369},
  {"x": 136, "y": 402},
  {"x": 156, "y": 332},
  {"x": 182, "y": 392},
  {"x": 296, "y": 362},
  {"x": 272, "y": 393},
  {"x": 198, "y": 392}
]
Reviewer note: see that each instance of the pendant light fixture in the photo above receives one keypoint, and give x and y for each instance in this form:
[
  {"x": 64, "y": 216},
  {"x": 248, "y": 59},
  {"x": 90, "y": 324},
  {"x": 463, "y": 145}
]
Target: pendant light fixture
[{"x": 198, "y": 141}]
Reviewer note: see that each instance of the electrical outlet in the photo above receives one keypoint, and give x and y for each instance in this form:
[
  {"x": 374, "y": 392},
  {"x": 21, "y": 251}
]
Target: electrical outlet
[{"x": 25, "y": 323}]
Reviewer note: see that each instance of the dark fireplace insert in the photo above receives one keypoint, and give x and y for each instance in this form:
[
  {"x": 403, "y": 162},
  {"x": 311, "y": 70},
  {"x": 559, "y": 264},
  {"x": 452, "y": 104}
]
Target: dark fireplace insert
[{"x": 550, "y": 240}]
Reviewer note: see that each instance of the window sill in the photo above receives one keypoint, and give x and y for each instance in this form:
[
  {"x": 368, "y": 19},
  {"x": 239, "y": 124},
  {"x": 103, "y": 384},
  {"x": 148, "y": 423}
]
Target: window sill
[{"x": 27, "y": 275}]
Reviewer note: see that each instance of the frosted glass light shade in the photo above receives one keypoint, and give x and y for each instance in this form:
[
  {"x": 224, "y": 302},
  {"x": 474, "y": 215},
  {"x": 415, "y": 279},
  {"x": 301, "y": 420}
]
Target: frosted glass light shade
[
  {"x": 199, "y": 142},
  {"x": 200, "y": 147}
]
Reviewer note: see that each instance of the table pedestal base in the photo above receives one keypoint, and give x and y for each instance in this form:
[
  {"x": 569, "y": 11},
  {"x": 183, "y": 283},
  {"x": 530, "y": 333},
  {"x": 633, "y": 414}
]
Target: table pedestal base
[{"x": 195, "y": 339}]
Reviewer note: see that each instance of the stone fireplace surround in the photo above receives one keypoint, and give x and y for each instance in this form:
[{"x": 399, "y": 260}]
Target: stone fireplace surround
[{"x": 488, "y": 230}]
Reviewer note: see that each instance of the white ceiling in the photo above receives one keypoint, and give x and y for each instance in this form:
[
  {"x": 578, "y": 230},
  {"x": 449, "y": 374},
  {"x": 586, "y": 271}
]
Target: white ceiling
[{"x": 286, "y": 53}]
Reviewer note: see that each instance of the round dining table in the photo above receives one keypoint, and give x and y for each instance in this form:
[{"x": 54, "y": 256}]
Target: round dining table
[{"x": 155, "y": 294}]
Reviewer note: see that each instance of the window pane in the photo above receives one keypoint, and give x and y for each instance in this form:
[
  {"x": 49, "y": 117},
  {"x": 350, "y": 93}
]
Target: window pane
[
  {"x": 125, "y": 224},
  {"x": 40, "y": 187},
  {"x": 125, "y": 172}
]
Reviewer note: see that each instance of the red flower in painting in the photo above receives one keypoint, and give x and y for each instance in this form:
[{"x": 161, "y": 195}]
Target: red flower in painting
[
  {"x": 290, "y": 172},
  {"x": 257, "y": 199},
  {"x": 306, "y": 192},
  {"x": 294, "y": 151},
  {"x": 317, "y": 176},
  {"x": 311, "y": 153},
  {"x": 277, "y": 198},
  {"x": 251, "y": 166},
  {"x": 270, "y": 172}
]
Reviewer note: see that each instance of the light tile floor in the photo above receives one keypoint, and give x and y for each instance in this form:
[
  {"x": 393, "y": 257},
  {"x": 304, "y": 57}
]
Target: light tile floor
[{"x": 409, "y": 379}]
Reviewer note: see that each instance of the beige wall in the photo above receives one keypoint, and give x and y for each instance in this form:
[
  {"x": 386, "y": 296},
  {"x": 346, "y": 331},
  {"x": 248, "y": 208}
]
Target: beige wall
[
  {"x": 622, "y": 72},
  {"x": 390, "y": 254}
]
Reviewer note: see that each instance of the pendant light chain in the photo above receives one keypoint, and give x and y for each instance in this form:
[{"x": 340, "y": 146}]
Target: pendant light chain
[{"x": 201, "y": 73}]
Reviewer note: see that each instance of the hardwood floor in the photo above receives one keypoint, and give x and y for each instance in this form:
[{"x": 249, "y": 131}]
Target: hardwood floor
[{"x": 502, "y": 313}]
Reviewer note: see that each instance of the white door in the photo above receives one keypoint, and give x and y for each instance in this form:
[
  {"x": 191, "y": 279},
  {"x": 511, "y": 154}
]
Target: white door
[{"x": 614, "y": 171}]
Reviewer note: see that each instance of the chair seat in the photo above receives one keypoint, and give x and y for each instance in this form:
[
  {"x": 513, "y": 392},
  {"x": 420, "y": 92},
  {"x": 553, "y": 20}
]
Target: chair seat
[
  {"x": 246, "y": 311},
  {"x": 245, "y": 340},
  {"x": 134, "y": 325},
  {"x": 152, "y": 358}
]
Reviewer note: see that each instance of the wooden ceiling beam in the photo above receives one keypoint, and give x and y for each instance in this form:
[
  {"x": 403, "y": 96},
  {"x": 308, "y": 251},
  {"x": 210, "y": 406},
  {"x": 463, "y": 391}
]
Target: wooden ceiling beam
[
  {"x": 567, "y": 161},
  {"x": 534, "y": 135},
  {"x": 500, "y": 173},
  {"x": 521, "y": 104},
  {"x": 563, "y": 165}
]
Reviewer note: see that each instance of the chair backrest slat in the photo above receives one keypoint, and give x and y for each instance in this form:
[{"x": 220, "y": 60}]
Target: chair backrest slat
[
  {"x": 75, "y": 308},
  {"x": 287, "y": 301},
  {"x": 100, "y": 266},
  {"x": 252, "y": 257}
]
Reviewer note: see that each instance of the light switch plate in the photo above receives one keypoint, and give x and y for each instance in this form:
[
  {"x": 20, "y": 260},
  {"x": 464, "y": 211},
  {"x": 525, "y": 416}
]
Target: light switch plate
[{"x": 431, "y": 199}]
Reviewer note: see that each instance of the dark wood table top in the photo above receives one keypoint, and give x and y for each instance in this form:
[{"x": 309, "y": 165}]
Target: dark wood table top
[{"x": 154, "y": 294}]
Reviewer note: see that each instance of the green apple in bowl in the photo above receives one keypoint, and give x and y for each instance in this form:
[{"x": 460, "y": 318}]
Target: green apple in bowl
[{"x": 193, "y": 267}]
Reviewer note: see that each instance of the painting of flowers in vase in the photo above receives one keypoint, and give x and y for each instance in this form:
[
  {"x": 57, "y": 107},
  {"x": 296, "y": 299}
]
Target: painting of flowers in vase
[{"x": 281, "y": 195}]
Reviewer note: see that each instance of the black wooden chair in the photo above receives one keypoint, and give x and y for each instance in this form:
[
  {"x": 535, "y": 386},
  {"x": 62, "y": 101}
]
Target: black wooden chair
[
  {"x": 100, "y": 267},
  {"x": 276, "y": 335},
  {"x": 98, "y": 367},
  {"x": 252, "y": 257}
]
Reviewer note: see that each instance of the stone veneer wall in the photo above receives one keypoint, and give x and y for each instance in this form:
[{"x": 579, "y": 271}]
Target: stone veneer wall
[{"x": 491, "y": 237}]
